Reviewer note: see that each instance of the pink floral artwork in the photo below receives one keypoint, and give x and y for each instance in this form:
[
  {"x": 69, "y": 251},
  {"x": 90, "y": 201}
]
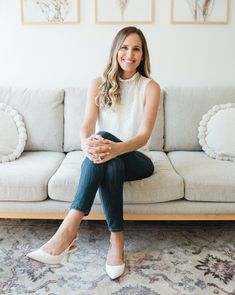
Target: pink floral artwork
[
  {"x": 124, "y": 11},
  {"x": 123, "y": 5},
  {"x": 200, "y": 11}
]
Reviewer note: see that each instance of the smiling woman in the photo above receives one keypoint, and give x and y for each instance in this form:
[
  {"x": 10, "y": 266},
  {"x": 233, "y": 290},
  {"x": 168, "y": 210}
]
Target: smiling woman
[
  {"x": 120, "y": 114},
  {"x": 130, "y": 55}
]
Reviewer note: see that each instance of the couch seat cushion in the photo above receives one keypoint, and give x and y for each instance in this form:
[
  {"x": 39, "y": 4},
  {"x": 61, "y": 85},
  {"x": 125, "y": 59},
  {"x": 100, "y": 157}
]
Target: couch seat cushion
[
  {"x": 26, "y": 178},
  {"x": 181, "y": 206},
  {"x": 164, "y": 185},
  {"x": 205, "y": 179}
]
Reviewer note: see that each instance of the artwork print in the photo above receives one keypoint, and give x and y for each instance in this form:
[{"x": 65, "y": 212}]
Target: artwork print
[
  {"x": 50, "y": 11},
  {"x": 199, "y": 11},
  {"x": 124, "y": 11}
]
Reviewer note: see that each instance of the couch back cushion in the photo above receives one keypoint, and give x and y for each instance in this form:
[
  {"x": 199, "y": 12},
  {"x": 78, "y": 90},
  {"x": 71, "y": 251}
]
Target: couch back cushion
[
  {"x": 74, "y": 108},
  {"x": 42, "y": 110},
  {"x": 184, "y": 108},
  {"x": 157, "y": 137}
]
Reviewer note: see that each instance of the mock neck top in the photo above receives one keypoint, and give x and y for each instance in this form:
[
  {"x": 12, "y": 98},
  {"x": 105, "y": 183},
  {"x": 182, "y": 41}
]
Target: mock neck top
[
  {"x": 125, "y": 120},
  {"x": 126, "y": 82}
]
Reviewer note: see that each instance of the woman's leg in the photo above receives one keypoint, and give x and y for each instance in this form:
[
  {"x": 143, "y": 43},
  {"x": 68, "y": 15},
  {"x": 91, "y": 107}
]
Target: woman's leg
[
  {"x": 130, "y": 166},
  {"x": 111, "y": 192},
  {"x": 65, "y": 233},
  {"x": 90, "y": 180}
]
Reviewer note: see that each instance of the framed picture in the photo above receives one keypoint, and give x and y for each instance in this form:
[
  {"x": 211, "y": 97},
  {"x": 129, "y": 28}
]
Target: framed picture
[
  {"x": 199, "y": 11},
  {"x": 50, "y": 11},
  {"x": 124, "y": 11}
]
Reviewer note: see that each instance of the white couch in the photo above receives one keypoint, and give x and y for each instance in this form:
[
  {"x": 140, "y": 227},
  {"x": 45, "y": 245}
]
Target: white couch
[{"x": 187, "y": 184}]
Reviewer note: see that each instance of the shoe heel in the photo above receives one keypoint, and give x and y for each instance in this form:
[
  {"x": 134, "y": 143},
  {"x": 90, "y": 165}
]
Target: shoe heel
[
  {"x": 72, "y": 250},
  {"x": 44, "y": 257}
]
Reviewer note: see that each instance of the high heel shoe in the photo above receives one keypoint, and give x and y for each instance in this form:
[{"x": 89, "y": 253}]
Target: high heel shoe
[
  {"x": 45, "y": 257},
  {"x": 115, "y": 271}
]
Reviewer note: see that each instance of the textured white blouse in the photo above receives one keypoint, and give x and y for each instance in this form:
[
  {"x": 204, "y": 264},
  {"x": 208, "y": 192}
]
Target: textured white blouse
[{"x": 125, "y": 121}]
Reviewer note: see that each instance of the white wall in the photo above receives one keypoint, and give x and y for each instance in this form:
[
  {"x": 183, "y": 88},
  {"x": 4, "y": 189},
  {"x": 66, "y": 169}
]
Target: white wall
[{"x": 71, "y": 55}]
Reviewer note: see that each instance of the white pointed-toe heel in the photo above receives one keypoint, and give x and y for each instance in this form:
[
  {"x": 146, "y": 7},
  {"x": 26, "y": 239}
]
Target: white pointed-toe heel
[
  {"x": 45, "y": 257},
  {"x": 115, "y": 271}
]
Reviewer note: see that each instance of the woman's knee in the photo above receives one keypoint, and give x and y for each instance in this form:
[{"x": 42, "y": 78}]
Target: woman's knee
[
  {"x": 115, "y": 168},
  {"x": 107, "y": 135}
]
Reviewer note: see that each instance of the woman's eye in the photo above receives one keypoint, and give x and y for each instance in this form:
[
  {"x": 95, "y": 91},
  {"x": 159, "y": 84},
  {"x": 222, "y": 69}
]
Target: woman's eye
[{"x": 124, "y": 47}]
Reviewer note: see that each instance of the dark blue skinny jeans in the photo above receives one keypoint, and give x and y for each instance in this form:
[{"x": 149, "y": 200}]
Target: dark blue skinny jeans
[{"x": 109, "y": 177}]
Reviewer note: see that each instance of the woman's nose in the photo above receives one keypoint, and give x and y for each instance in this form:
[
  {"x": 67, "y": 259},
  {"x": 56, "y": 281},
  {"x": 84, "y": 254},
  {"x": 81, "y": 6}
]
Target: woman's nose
[{"x": 129, "y": 53}]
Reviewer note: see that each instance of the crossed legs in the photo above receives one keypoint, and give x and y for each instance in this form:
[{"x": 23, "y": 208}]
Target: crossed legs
[{"x": 108, "y": 177}]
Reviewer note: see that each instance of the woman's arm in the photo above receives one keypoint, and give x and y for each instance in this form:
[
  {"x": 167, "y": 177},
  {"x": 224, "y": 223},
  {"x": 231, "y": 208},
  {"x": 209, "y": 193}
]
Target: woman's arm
[
  {"x": 93, "y": 146},
  {"x": 91, "y": 111},
  {"x": 152, "y": 100}
]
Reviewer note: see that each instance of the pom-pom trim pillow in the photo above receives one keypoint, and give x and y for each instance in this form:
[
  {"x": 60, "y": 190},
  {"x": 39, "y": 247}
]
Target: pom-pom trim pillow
[
  {"x": 217, "y": 132},
  {"x": 13, "y": 134}
]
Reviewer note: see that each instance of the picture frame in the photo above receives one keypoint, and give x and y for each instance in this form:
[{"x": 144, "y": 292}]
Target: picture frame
[
  {"x": 50, "y": 12},
  {"x": 199, "y": 11},
  {"x": 124, "y": 11}
]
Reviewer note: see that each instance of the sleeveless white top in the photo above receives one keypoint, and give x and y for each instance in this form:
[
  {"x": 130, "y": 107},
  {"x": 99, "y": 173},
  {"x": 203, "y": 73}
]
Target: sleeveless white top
[{"x": 125, "y": 121}]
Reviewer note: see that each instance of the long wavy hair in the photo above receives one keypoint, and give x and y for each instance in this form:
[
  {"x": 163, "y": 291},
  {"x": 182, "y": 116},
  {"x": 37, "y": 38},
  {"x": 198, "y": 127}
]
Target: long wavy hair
[{"x": 109, "y": 90}]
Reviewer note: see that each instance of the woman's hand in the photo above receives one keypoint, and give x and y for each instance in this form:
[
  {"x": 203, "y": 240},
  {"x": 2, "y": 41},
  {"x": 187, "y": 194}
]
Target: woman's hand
[
  {"x": 112, "y": 150},
  {"x": 96, "y": 147}
]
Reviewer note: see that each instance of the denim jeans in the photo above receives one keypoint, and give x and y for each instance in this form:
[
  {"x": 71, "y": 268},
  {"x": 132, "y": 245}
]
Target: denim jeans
[{"x": 109, "y": 177}]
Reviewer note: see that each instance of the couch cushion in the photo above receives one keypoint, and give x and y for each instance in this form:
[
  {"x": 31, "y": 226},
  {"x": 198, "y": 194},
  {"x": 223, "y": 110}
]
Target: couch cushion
[
  {"x": 42, "y": 110},
  {"x": 74, "y": 108},
  {"x": 157, "y": 138},
  {"x": 184, "y": 108},
  {"x": 164, "y": 185},
  {"x": 205, "y": 179},
  {"x": 26, "y": 178},
  {"x": 59, "y": 208}
]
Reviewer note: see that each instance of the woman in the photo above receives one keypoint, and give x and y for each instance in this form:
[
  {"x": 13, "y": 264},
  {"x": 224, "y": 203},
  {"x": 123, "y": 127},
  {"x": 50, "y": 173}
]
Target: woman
[{"x": 123, "y": 106}]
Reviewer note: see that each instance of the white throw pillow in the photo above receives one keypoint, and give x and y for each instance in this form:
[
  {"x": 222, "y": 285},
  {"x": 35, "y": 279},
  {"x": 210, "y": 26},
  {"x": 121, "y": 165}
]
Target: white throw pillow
[
  {"x": 12, "y": 134},
  {"x": 217, "y": 132}
]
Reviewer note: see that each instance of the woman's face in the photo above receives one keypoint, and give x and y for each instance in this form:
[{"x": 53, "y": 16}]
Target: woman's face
[{"x": 130, "y": 55}]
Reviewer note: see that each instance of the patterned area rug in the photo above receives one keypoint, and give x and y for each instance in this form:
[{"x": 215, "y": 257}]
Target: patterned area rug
[{"x": 162, "y": 258}]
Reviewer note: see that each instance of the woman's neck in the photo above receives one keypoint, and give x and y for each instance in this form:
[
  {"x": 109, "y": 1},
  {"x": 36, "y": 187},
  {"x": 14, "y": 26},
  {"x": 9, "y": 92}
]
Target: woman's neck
[{"x": 127, "y": 75}]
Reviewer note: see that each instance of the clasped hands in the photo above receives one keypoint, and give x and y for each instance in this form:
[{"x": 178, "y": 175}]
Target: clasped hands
[{"x": 99, "y": 149}]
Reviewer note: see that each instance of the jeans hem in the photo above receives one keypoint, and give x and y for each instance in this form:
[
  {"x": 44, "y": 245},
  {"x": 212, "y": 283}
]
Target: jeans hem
[
  {"x": 80, "y": 209},
  {"x": 115, "y": 230}
]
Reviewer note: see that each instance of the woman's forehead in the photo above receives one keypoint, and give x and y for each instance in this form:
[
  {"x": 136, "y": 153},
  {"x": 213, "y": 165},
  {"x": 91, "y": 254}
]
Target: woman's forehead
[{"x": 133, "y": 39}]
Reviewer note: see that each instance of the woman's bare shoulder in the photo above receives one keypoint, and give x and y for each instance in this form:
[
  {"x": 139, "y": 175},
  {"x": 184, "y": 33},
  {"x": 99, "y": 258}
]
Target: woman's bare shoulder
[{"x": 153, "y": 86}]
